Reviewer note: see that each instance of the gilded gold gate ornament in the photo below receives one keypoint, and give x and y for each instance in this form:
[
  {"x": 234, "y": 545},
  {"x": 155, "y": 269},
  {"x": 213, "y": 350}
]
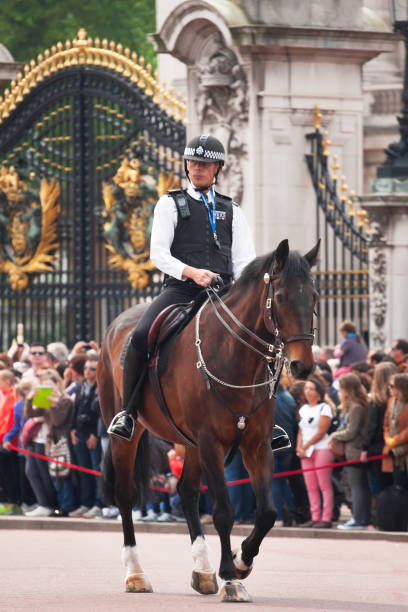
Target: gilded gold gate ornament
[
  {"x": 28, "y": 227},
  {"x": 129, "y": 202}
]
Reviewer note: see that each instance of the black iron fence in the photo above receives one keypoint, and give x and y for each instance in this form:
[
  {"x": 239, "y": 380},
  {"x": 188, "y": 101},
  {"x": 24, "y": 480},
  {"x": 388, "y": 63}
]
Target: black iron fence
[
  {"x": 88, "y": 141},
  {"x": 342, "y": 272}
]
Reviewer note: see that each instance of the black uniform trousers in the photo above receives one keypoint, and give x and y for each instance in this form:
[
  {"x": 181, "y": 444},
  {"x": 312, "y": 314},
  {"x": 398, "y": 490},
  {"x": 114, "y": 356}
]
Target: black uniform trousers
[{"x": 174, "y": 292}]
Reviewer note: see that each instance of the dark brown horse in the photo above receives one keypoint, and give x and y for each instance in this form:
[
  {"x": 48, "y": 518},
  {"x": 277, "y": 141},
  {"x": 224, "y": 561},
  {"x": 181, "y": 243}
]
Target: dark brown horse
[{"x": 216, "y": 385}]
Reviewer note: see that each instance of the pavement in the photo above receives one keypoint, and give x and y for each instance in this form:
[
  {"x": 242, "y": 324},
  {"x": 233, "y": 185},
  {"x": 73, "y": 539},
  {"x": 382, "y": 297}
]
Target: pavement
[
  {"x": 74, "y": 566},
  {"x": 113, "y": 525}
]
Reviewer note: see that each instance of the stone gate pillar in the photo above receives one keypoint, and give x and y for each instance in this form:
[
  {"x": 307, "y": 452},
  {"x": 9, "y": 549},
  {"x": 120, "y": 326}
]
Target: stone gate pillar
[
  {"x": 255, "y": 69},
  {"x": 388, "y": 267}
]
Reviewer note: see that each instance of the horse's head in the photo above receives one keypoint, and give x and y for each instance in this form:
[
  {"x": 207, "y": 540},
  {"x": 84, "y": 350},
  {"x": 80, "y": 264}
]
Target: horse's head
[{"x": 289, "y": 305}]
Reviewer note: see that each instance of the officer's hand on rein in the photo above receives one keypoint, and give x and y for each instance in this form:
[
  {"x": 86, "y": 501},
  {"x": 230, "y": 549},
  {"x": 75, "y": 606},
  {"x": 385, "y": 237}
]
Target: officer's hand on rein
[{"x": 200, "y": 276}]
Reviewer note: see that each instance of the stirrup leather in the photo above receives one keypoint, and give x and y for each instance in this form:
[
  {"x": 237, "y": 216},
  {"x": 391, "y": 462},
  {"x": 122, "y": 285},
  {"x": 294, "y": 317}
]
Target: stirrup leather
[{"x": 115, "y": 420}]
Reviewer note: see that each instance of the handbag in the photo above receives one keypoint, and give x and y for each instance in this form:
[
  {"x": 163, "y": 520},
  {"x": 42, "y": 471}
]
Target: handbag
[
  {"x": 59, "y": 450},
  {"x": 30, "y": 429},
  {"x": 338, "y": 449}
]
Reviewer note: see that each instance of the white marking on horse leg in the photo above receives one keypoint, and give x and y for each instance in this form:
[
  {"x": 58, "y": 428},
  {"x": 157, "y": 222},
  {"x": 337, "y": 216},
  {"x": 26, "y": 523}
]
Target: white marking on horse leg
[
  {"x": 238, "y": 562},
  {"x": 201, "y": 555},
  {"x": 131, "y": 561}
]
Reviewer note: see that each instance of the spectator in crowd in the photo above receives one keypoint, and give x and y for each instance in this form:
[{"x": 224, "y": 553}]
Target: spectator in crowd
[
  {"x": 365, "y": 373},
  {"x": 59, "y": 354},
  {"x": 351, "y": 349},
  {"x": 74, "y": 374},
  {"x": 26, "y": 494},
  {"x": 313, "y": 449},
  {"x": 86, "y": 444},
  {"x": 396, "y": 431},
  {"x": 58, "y": 445},
  {"x": 36, "y": 468},
  {"x": 37, "y": 358},
  {"x": 9, "y": 480},
  {"x": 375, "y": 357},
  {"x": 398, "y": 350},
  {"x": 354, "y": 406},
  {"x": 241, "y": 495},
  {"x": 373, "y": 437},
  {"x": 285, "y": 417},
  {"x": 176, "y": 463}
]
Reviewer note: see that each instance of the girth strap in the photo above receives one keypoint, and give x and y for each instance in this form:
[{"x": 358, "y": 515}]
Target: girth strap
[{"x": 158, "y": 394}]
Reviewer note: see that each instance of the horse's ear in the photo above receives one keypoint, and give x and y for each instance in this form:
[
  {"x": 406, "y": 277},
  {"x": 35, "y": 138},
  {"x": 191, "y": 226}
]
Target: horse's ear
[
  {"x": 311, "y": 256},
  {"x": 281, "y": 255}
]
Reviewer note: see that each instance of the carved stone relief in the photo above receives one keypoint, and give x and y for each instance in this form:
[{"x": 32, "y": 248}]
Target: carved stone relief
[
  {"x": 222, "y": 109},
  {"x": 378, "y": 279}
]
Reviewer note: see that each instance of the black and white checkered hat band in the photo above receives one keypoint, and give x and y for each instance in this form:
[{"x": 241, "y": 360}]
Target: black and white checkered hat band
[{"x": 199, "y": 152}]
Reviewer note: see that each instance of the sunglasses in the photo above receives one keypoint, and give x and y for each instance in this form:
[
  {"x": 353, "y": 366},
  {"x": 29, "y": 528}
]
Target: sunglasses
[
  {"x": 37, "y": 353},
  {"x": 90, "y": 368}
]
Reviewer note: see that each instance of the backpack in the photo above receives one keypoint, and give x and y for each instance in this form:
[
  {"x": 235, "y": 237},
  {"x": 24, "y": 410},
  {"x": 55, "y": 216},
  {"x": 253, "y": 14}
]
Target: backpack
[
  {"x": 392, "y": 509},
  {"x": 59, "y": 450}
]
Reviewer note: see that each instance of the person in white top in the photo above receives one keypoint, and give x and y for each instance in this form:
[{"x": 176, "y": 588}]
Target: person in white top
[
  {"x": 313, "y": 449},
  {"x": 197, "y": 234}
]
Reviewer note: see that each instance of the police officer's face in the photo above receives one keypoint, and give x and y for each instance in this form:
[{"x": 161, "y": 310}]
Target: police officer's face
[{"x": 202, "y": 173}]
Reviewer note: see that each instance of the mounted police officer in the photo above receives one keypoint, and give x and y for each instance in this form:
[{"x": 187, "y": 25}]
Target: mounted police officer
[{"x": 197, "y": 234}]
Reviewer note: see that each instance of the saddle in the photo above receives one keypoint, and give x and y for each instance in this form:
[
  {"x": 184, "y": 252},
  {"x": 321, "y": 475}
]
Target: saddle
[
  {"x": 163, "y": 331},
  {"x": 169, "y": 322}
]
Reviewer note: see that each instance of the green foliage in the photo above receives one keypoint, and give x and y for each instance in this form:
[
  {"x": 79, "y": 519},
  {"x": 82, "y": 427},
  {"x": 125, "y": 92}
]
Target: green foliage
[{"x": 27, "y": 27}]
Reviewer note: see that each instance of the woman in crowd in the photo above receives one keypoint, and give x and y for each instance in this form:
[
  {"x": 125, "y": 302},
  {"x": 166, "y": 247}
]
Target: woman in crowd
[
  {"x": 354, "y": 406},
  {"x": 26, "y": 494},
  {"x": 37, "y": 469},
  {"x": 396, "y": 430},
  {"x": 373, "y": 436},
  {"x": 313, "y": 449},
  {"x": 58, "y": 443},
  {"x": 9, "y": 481}
]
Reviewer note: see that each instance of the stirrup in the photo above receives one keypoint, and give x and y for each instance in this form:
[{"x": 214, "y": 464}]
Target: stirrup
[
  {"x": 281, "y": 441},
  {"x": 115, "y": 420}
]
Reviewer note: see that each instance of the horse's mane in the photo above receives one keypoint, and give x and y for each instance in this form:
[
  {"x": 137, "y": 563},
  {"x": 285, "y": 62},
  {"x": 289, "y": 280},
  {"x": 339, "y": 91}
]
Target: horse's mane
[{"x": 296, "y": 266}]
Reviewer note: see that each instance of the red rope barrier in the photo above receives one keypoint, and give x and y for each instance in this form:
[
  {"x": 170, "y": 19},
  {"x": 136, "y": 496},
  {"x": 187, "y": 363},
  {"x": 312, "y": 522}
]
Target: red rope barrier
[{"x": 203, "y": 488}]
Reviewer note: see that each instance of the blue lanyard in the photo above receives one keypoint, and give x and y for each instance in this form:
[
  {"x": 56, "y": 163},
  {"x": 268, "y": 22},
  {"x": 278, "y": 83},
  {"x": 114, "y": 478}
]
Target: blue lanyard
[{"x": 211, "y": 215}]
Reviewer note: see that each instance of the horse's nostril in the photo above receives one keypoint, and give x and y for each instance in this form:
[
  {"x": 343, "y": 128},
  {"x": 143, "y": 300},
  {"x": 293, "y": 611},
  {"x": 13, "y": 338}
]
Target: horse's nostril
[{"x": 299, "y": 369}]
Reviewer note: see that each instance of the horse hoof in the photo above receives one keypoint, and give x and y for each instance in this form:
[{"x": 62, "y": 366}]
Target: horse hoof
[
  {"x": 204, "y": 583},
  {"x": 233, "y": 590},
  {"x": 138, "y": 583},
  {"x": 241, "y": 569}
]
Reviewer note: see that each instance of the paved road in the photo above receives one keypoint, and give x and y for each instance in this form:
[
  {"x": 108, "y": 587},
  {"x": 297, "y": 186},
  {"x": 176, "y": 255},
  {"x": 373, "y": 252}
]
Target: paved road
[{"x": 60, "y": 570}]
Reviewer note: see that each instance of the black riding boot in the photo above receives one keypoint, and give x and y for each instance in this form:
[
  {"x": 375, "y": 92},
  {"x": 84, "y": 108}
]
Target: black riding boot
[{"x": 134, "y": 369}]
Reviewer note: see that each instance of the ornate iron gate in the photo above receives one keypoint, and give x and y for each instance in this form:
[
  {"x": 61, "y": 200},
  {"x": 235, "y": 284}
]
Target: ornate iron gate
[
  {"x": 88, "y": 141},
  {"x": 342, "y": 275}
]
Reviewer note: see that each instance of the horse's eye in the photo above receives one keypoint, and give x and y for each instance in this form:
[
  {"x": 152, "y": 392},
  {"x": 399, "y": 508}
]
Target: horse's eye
[{"x": 279, "y": 298}]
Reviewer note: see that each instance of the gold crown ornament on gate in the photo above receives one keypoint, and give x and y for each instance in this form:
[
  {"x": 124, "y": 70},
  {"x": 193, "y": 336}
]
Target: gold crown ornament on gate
[
  {"x": 128, "y": 213},
  {"x": 28, "y": 226}
]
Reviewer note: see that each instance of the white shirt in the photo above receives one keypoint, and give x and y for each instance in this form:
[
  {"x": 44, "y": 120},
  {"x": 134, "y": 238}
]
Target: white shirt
[
  {"x": 309, "y": 425},
  {"x": 164, "y": 224}
]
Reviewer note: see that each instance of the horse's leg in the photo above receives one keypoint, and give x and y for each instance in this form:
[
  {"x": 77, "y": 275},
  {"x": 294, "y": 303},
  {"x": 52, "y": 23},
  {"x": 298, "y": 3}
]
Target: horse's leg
[
  {"x": 212, "y": 460},
  {"x": 123, "y": 457},
  {"x": 260, "y": 467},
  {"x": 203, "y": 578}
]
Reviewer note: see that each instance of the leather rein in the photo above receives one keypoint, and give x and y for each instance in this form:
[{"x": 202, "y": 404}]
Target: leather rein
[{"x": 271, "y": 352}]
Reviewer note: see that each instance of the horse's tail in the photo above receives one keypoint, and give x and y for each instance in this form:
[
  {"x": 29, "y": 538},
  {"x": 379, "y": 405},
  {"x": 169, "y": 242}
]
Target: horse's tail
[{"x": 141, "y": 475}]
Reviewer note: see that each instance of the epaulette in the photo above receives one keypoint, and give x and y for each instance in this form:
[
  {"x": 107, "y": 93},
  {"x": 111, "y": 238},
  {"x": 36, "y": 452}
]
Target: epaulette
[{"x": 221, "y": 197}]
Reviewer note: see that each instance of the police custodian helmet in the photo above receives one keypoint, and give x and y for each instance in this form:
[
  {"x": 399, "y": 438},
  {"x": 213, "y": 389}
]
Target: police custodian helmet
[{"x": 205, "y": 148}]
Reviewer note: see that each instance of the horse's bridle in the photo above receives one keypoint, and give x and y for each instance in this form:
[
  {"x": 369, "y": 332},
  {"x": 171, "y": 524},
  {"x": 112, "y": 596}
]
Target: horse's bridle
[
  {"x": 274, "y": 355},
  {"x": 270, "y": 317}
]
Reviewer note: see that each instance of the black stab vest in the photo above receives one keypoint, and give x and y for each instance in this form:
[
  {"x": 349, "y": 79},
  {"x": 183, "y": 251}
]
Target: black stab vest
[{"x": 193, "y": 241}]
